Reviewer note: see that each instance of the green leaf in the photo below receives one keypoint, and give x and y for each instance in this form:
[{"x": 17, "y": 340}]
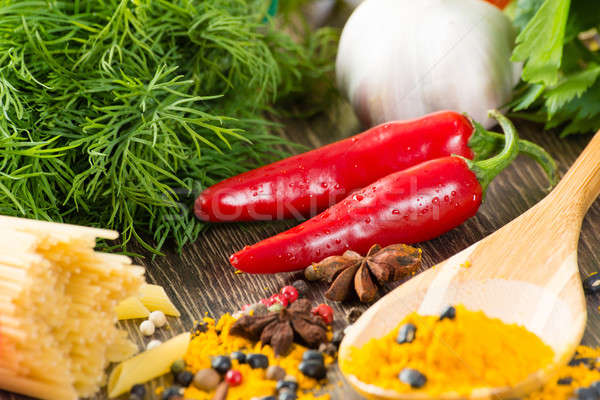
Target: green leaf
[
  {"x": 570, "y": 87},
  {"x": 112, "y": 111},
  {"x": 586, "y": 125},
  {"x": 524, "y": 12},
  {"x": 527, "y": 98},
  {"x": 540, "y": 43}
]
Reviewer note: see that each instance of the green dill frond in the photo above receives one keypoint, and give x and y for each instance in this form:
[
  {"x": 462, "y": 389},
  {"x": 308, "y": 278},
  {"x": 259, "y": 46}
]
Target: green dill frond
[{"x": 116, "y": 113}]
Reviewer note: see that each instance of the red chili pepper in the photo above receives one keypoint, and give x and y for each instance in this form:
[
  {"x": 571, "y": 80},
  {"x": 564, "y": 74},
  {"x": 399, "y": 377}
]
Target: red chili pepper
[
  {"x": 307, "y": 184},
  {"x": 408, "y": 206}
]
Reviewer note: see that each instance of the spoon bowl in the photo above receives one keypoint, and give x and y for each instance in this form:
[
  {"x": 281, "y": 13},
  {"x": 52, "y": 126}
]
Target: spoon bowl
[{"x": 525, "y": 273}]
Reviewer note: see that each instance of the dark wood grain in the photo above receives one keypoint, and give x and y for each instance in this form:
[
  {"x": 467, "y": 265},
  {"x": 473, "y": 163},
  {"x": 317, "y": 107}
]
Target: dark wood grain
[{"x": 200, "y": 279}]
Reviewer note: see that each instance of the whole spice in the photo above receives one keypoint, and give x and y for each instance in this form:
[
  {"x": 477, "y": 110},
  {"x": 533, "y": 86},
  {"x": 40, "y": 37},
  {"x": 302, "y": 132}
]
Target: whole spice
[
  {"x": 221, "y": 364},
  {"x": 591, "y": 284},
  {"x": 153, "y": 343},
  {"x": 400, "y": 59},
  {"x": 206, "y": 379},
  {"x": 147, "y": 328},
  {"x": 301, "y": 286},
  {"x": 308, "y": 183},
  {"x": 257, "y": 360},
  {"x": 313, "y": 369},
  {"x": 233, "y": 377},
  {"x": 350, "y": 272},
  {"x": 409, "y": 206},
  {"x": 281, "y": 328},
  {"x": 443, "y": 353},
  {"x": 158, "y": 318},
  {"x": 325, "y": 312},
  {"x": 448, "y": 313},
  {"x": 184, "y": 378},
  {"x": 406, "y": 333},
  {"x": 171, "y": 393},
  {"x": 570, "y": 379},
  {"x": 352, "y": 316},
  {"x": 217, "y": 340},
  {"x": 413, "y": 378},
  {"x": 275, "y": 373}
]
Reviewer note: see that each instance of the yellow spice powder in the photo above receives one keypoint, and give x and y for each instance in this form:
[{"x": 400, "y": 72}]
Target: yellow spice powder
[
  {"x": 581, "y": 375},
  {"x": 216, "y": 340},
  {"x": 456, "y": 355}
]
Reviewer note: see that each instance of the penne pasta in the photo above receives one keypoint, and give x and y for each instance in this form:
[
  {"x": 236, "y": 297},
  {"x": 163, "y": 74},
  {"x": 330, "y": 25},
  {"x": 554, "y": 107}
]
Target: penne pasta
[
  {"x": 147, "y": 365},
  {"x": 131, "y": 308},
  {"x": 155, "y": 298}
]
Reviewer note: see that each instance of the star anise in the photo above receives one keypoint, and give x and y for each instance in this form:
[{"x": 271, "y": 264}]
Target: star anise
[
  {"x": 280, "y": 329},
  {"x": 352, "y": 271}
]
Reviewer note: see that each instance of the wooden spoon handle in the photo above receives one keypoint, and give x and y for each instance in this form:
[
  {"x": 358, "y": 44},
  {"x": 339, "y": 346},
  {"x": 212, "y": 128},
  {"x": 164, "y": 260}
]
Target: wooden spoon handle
[{"x": 581, "y": 184}]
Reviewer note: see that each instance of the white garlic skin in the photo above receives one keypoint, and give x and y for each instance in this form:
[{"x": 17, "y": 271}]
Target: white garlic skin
[{"x": 402, "y": 59}]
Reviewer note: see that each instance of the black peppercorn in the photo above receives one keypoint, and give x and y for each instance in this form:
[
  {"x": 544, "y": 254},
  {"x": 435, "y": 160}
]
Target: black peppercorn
[
  {"x": 239, "y": 356},
  {"x": 184, "y": 378},
  {"x": 302, "y": 287},
  {"x": 257, "y": 361},
  {"x": 313, "y": 369},
  {"x": 171, "y": 392},
  {"x": 337, "y": 337},
  {"x": 586, "y": 394},
  {"x": 591, "y": 284},
  {"x": 596, "y": 387},
  {"x": 412, "y": 377},
  {"x": 287, "y": 396},
  {"x": 588, "y": 362},
  {"x": 564, "y": 381},
  {"x": 313, "y": 355},
  {"x": 406, "y": 334},
  {"x": 221, "y": 364},
  {"x": 291, "y": 385},
  {"x": 449, "y": 313}
]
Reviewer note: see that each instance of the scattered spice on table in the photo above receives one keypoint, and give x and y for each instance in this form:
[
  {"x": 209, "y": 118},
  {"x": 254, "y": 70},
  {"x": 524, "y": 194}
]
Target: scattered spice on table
[
  {"x": 279, "y": 329},
  {"x": 351, "y": 273},
  {"x": 591, "y": 284},
  {"x": 437, "y": 355},
  {"x": 216, "y": 340}
]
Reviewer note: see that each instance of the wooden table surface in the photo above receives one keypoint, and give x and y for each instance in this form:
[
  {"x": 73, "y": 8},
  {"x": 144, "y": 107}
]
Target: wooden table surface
[{"x": 201, "y": 280}]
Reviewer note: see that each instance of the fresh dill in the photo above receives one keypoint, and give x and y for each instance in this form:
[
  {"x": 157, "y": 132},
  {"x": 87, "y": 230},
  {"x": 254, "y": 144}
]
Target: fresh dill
[{"x": 114, "y": 113}]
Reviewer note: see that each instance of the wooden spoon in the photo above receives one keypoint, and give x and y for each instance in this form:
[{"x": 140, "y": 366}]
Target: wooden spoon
[{"x": 525, "y": 273}]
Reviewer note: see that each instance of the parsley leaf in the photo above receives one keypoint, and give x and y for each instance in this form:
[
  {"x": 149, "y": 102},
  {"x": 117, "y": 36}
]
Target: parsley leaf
[
  {"x": 540, "y": 44},
  {"x": 570, "y": 87}
]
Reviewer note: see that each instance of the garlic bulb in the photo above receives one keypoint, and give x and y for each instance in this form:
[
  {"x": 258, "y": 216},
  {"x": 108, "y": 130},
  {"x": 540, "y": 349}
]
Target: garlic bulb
[{"x": 401, "y": 59}]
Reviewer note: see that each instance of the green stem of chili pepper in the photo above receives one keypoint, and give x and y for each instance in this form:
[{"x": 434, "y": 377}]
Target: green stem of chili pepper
[
  {"x": 487, "y": 170},
  {"x": 484, "y": 143}
]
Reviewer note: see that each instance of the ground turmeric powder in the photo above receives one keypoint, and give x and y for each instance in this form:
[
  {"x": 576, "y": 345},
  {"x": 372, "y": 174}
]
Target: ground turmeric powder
[
  {"x": 457, "y": 353},
  {"x": 215, "y": 339},
  {"x": 572, "y": 380}
]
